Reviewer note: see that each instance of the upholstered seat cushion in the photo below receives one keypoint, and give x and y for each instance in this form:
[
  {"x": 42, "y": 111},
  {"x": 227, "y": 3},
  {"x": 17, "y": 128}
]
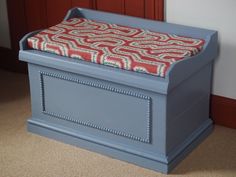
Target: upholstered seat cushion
[{"x": 115, "y": 45}]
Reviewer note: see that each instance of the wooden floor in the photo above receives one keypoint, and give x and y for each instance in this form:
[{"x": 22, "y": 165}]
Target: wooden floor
[{"x": 26, "y": 155}]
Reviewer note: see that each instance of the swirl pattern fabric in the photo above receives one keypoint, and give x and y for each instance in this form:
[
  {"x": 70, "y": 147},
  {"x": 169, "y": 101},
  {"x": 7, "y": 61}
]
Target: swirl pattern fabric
[{"x": 114, "y": 45}]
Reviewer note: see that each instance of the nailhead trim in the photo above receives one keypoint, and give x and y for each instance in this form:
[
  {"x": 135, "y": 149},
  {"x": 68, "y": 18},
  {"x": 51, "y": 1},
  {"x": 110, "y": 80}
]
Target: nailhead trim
[{"x": 104, "y": 87}]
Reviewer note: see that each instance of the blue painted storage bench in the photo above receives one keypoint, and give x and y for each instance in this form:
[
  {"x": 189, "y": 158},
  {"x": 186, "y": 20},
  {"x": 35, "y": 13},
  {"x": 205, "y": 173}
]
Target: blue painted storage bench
[{"x": 147, "y": 120}]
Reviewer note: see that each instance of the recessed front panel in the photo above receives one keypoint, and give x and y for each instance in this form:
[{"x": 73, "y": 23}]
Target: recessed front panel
[{"x": 98, "y": 106}]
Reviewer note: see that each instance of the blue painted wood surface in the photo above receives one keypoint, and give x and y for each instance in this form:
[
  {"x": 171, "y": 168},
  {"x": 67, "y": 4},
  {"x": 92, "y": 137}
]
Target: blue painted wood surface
[{"x": 150, "y": 121}]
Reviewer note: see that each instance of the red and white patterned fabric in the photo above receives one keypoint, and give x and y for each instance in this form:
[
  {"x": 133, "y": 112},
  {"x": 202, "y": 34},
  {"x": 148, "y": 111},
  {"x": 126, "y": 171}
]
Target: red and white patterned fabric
[{"x": 115, "y": 45}]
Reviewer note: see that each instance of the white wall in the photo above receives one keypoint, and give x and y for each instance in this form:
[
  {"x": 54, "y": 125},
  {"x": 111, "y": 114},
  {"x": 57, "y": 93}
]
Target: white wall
[
  {"x": 218, "y": 15},
  {"x": 4, "y": 28}
]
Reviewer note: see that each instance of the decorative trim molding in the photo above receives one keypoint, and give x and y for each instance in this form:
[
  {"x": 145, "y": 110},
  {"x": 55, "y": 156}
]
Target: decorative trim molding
[
  {"x": 223, "y": 111},
  {"x": 42, "y": 93},
  {"x": 99, "y": 86}
]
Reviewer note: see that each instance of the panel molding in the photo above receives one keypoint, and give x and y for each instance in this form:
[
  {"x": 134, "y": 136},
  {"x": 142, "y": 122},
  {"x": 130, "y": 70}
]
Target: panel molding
[
  {"x": 135, "y": 8},
  {"x": 83, "y": 3},
  {"x": 36, "y": 14},
  {"x": 159, "y": 10},
  {"x": 117, "y": 6},
  {"x": 56, "y": 11},
  {"x": 149, "y": 8},
  {"x": 147, "y": 139}
]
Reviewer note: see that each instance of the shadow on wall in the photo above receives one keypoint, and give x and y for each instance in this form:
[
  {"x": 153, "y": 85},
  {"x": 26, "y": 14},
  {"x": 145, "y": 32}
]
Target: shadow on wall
[{"x": 13, "y": 86}]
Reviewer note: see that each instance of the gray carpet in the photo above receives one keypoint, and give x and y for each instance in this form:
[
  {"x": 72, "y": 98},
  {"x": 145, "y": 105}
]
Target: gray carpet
[{"x": 23, "y": 154}]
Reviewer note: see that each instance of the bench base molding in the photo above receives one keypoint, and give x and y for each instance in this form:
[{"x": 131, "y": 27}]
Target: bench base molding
[{"x": 62, "y": 134}]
